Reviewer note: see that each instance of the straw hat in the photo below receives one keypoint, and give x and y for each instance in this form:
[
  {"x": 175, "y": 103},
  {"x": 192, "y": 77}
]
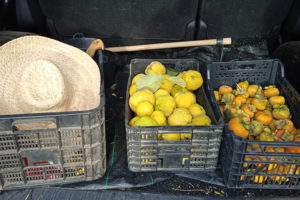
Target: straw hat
[{"x": 38, "y": 74}]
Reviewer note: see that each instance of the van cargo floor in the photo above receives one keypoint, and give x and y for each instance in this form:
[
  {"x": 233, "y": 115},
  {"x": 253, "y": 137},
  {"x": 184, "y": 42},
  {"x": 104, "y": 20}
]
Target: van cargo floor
[{"x": 119, "y": 182}]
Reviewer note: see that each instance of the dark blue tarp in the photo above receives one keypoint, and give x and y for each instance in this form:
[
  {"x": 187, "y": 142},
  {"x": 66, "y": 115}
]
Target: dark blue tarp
[{"x": 151, "y": 185}]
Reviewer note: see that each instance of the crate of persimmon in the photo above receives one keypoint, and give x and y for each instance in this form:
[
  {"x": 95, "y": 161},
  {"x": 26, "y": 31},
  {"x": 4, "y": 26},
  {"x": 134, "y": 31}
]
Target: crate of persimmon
[
  {"x": 261, "y": 147},
  {"x": 172, "y": 122}
]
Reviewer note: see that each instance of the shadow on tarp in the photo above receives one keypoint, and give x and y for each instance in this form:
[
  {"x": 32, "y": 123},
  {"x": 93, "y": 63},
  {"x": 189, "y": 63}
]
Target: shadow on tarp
[{"x": 62, "y": 194}]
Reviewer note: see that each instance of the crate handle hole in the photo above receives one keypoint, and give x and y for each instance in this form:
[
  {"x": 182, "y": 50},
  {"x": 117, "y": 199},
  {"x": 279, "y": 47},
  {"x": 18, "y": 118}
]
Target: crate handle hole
[
  {"x": 34, "y": 126},
  {"x": 248, "y": 66}
]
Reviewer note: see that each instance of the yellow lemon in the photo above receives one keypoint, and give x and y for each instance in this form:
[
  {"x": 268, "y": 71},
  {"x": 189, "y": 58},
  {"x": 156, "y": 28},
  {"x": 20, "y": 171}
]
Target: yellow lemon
[
  {"x": 180, "y": 116},
  {"x": 185, "y": 136},
  {"x": 195, "y": 109},
  {"x": 180, "y": 75},
  {"x": 185, "y": 114},
  {"x": 159, "y": 136},
  {"x": 145, "y": 121},
  {"x": 185, "y": 99},
  {"x": 193, "y": 80},
  {"x": 177, "y": 89},
  {"x": 159, "y": 117},
  {"x": 155, "y": 67},
  {"x": 201, "y": 120},
  {"x": 144, "y": 108},
  {"x": 165, "y": 104},
  {"x": 166, "y": 84},
  {"x": 171, "y": 136},
  {"x": 161, "y": 92},
  {"x": 136, "y": 77},
  {"x": 132, "y": 89},
  {"x": 133, "y": 120},
  {"x": 139, "y": 96}
]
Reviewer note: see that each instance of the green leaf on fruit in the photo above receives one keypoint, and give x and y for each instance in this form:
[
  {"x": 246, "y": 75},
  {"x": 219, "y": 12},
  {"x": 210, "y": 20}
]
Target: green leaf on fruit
[
  {"x": 177, "y": 80},
  {"x": 151, "y": 82},
  {"x": 171, "y": 71}
]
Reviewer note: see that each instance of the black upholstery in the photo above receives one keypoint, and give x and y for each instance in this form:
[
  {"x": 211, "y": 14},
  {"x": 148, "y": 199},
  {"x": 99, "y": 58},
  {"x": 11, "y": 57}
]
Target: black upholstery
[
  {"x": 243, "y": 18},
  {"x": 147, "y": 19}
]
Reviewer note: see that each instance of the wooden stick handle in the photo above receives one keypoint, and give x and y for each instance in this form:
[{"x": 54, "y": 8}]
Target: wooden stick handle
[
  {"x": 212, "y": 42},
  {"x": 95, "y": 46}
]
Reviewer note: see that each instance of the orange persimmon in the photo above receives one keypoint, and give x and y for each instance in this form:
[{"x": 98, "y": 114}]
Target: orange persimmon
[
  {"x": 252, "y": 89},
  {"x": 277, "y": 100},
  {"x": 217, "y": 95},
  {"x": 259, "y": 103},
  {"x": 249, "y": 109},
  {"x": 259, "y": 179},
  {"x": 271, "y": 91},
  {"x": 237, "y": 126},
  {"x": 224, "y": 89},
  {"x": 289, "y": 126},
  {"x": 263, "y": 118},
  {"x": 294, "y": 149},
  {"x": 243, "y": 85},
  {"x": 239, "y": 100},
  {"x": 273, "y": 125},
  {"x": 281, "y": 112},
  {"x": 227, "y": 98},
  {"x": 267, "y": 112},
  {"x": 248, "y": 100},
  {"x": 294, "y": 131}
]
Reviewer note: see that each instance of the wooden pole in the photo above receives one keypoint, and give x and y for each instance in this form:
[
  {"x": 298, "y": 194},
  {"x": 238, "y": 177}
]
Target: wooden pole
[{"x": 98, "y": 44}]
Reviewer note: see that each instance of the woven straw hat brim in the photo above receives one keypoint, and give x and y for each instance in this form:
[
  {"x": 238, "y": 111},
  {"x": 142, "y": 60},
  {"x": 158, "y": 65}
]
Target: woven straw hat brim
[{"x": 80, "y": 74}]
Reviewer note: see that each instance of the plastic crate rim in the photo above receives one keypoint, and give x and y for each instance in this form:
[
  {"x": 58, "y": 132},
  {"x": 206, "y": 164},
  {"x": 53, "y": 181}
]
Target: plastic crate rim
[
  {"x": 264, "y": 143},
  {"x": 209, "y": 66},
  {"x": 134, "y": 60},
  {"x": 171, "y": 128}
]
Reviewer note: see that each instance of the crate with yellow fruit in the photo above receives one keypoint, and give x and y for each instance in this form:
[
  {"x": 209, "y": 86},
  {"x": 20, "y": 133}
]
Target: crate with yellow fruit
[
  {"x": 171, "y": 121},
  {"x": 261, "y": 147}
]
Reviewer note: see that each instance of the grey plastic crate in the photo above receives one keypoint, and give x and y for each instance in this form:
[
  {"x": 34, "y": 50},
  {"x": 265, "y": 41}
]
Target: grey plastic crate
[
  {"x": 72, "y": 149},
  {"x": 240, "y": 158},
  {"x": 145, "y": 152}
]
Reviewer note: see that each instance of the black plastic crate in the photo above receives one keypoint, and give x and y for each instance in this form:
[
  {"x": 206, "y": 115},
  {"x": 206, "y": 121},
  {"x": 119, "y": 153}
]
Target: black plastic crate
[
  {"x": 249, "y": 164},
  {"x": 145, "y": 152},
  {"x": 71, "y": 148}
]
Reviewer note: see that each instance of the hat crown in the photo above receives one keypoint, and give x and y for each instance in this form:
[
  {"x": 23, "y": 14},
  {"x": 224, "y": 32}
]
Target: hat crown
[
  {"x": 42, "y": 85},
  {"x": 42, "y": 75}
]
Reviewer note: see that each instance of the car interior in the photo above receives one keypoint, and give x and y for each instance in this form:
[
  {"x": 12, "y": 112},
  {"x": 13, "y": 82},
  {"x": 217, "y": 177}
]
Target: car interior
[{"x": 259, "y": 30}]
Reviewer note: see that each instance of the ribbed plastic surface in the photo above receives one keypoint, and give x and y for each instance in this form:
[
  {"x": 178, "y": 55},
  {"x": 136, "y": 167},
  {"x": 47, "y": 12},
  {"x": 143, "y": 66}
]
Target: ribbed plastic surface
[
  {"x": 249, "y": 164},
  {"x": 63, "y": 148},
  {"x": 146, "y": 152}
]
